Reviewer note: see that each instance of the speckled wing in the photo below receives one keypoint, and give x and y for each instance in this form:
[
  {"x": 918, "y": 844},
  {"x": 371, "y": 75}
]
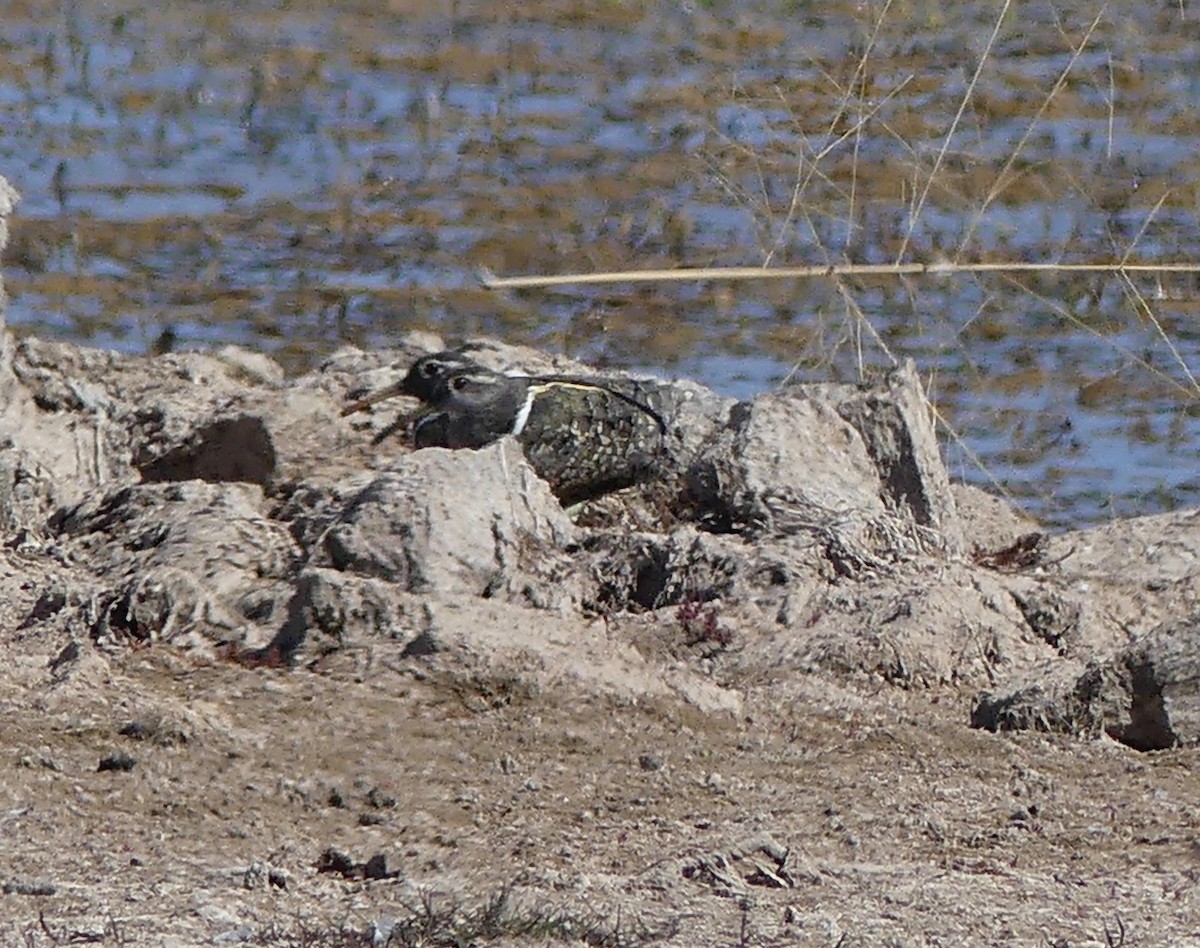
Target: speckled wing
[
  {"x": 586, "y": 437},
  {"x": 662, "y": 398}
]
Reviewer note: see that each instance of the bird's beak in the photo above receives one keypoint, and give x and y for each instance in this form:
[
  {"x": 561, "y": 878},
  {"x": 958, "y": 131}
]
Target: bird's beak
[{"x": 374, "y": 398}]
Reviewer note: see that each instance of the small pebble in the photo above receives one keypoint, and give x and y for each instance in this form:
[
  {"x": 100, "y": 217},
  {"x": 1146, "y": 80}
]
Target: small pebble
[
  {"x": 23, "y": 887},
  {"x": 380, "y": 866},
  {"x": 119, "y": 761}
]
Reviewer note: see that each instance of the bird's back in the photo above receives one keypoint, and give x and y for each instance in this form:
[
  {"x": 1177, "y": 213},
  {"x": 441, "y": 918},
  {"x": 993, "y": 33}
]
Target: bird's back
[{"x": 588, "y": 437}]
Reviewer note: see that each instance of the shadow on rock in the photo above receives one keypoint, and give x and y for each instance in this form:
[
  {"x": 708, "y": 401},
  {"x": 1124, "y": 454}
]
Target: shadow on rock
[{"x": 203, "y": 501}]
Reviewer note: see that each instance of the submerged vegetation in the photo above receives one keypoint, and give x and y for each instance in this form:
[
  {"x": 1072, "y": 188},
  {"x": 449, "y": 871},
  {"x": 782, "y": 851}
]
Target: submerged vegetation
[{"x": 296, "y": 178}]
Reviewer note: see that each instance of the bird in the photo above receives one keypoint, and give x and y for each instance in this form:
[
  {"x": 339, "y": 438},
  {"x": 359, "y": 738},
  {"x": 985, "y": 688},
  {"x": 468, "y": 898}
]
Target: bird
[
  {"x": 425, "y": 379},
  {"x": 585, "y": 436}
]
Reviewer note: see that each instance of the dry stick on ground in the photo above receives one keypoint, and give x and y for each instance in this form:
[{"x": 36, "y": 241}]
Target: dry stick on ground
[{"x": 683, "y": 274}]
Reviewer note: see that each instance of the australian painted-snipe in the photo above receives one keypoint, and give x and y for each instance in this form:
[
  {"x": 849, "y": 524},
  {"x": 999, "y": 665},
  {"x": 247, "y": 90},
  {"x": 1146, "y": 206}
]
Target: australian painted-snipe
[{"x": 585, "y": 436}]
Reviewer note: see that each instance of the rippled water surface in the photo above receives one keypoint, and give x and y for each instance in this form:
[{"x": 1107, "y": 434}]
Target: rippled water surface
[{"x": 296, "y": 176}]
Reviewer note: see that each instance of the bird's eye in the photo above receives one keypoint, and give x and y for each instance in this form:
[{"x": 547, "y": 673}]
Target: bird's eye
[
  {"x": 429, "y": 370},
  {"x": 460, "y": 382}
]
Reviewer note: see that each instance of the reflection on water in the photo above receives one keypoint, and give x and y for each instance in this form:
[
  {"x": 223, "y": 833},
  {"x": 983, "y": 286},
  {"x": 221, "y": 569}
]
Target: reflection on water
[{"x": 298, "y": 176}]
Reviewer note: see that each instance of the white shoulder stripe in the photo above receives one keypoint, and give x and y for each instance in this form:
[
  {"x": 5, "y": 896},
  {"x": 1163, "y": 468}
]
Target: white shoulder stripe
[{"x": 523, "y": 413}]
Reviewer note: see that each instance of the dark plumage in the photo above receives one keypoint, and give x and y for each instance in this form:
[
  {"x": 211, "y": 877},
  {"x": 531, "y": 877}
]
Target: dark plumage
[
  {"x": 428, "y": 376},
  {"x": 472, "y": 407},
  {"x": 425, "y": 379},
  {"x": 585, "y": 436}
]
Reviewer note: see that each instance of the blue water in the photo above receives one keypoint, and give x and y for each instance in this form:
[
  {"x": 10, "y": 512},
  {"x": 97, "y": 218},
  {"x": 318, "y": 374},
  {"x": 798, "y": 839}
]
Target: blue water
[{"x": 320, "y": 150}]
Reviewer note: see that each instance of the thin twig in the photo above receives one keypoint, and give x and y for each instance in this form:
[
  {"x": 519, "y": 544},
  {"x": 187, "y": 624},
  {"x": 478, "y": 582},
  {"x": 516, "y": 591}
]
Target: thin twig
[
  {"x": 1140, "y": 303},
  {"x": 860, "y": 320},
  {"x": 976, "y": 459},
  {"x": 942, "y": 268},
  {"x": 915, "y": 215},
  {"x": 1145, "y": 225},
  {"x": 1112, "y": 107},
  {"x": 1002, "y": 180},
  {"x": 1069, "y": 317}
]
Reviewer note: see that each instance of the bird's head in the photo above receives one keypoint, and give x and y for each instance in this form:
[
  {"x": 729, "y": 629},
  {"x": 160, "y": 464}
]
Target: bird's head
[{"x": 428, "y": 377}]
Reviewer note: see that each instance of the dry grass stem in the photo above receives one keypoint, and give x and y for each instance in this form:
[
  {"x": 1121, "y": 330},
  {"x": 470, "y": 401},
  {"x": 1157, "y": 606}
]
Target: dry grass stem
[
  {"x": 941, "y": 268},
  {"x": 1133, "y": 358},
  {"x": 962, "y": 108},
  {"x": 1002, "y": 178}
]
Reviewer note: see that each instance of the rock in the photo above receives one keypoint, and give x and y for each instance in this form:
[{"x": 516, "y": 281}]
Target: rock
[
  {"x": 81, "y": 418},
  {"x": 381, "y": 866},
  {"x": 756, "y": 861},
  {"x": 1154, "y": 551},
  {"x": 643, "y": 571},
  {"x": 380, "y": 799},
  {"x": 896, "y": 426},
  {"x": 989, "y": 522},
  {"x": 381, "y": 931},
  {"x": 1053, "y": 614},
  {"x": 260, "y": 875},
  {"x": 9, "y": 199},
  {"x": 442, "y": 521},
  {"x": 255, "y": 876},
  {"x": 27, "y": 886},
  {"x": 234, "y": 448},
  {"x": 336, "y": 861},
  {"x": 239, "y": 935},
  {"x": 119, "y": 761},
  {"x": 331, "y": 610},
  {"x": 204, "y": 501},
  {"x": 255, "y": 367},
  {"x": 378, "y": 866},
  {"x": 855, "y": 469},
  {"x": 191, "y": 561},
  {"x": 157, "y": 729},
  {"x": 783, "y": 454},
  {"x": 1147, "y": 696},
  {"x": 925, "y": 625},
  {"x": 1037, "y": 698},
  {"x": 26, "y": 493},
  {"x": 1110, "y": 602}
]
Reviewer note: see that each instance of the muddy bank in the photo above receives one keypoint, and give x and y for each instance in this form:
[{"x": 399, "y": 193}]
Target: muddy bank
[
  {"x": 806, "y": 567},
  {"x": 205, "y": 501}
]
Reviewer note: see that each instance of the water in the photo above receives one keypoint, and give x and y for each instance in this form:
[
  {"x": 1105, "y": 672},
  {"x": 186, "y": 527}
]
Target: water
[{"x": 296, "y": 176}]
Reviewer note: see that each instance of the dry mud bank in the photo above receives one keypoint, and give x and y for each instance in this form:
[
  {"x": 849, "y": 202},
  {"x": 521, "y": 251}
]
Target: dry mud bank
[{"x": 275, "y": 679}]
